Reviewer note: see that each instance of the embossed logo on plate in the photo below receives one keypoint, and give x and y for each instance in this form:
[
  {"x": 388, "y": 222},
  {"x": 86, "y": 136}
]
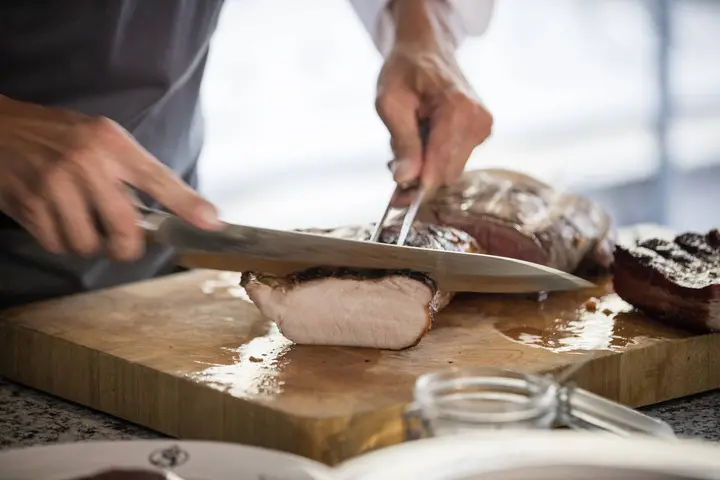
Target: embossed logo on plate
[{"x": 168, "y": 458}]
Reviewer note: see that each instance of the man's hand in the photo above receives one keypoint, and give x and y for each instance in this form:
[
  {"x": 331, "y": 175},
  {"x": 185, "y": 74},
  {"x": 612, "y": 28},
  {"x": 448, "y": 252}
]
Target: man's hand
[
  {"x": 422, "y": 80},
  {"x": 64, "y": 178}
]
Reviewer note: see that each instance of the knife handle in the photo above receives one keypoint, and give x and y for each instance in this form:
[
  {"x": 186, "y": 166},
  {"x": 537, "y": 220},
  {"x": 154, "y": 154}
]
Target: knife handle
[{"x": 151, "y": 220}]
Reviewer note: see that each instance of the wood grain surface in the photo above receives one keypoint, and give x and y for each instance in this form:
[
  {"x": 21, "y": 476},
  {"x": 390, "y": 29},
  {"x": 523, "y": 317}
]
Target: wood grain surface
[{"x": 189, "y": 356}]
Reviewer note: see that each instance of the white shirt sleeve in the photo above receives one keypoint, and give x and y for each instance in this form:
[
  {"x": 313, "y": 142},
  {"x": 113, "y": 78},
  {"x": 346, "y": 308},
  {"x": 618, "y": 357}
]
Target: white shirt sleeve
[{"x": 468, "y": 18}]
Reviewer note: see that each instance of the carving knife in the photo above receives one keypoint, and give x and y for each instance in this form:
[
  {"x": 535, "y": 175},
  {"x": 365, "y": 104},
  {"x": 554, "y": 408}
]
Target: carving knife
[{"x": 243, "y": 248}]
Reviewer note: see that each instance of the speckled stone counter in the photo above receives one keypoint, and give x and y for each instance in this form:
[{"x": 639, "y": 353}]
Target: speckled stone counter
[{"x": 28, "y": 417}]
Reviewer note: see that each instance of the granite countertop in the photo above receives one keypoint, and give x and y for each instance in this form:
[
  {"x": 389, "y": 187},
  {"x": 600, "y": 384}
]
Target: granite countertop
[{"x": 29, "y": 417}]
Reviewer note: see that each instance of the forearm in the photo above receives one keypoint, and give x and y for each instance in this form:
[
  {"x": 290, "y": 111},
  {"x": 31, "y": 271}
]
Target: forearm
[
  {"x": 462, "y": 17},
  {"x": 423, "y": 25}
]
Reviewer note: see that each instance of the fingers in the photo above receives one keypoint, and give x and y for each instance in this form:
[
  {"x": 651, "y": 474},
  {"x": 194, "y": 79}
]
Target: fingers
[
  {"x": 118, "y": 218},
  {"x": 37, "y": 217},
  {"x": 68, "y": 189},
  {"x": 88, "y": 210},
  {"x": 73, "y": 213},
  {"x": 458, "y": 125},
  {"x": 113, "y": 212},
  {"x": 92, "y": 211},
  {"x": 159, "y": 182},
  {"x": 447, "y": 145},
  {"x": 457, "y": 128},
  {"x": 403, "y": 199},
  {"x": 145, "y": 173},
  {"x": 45, "y": 228},
  {"x": 132, "y": 164},
  {"x": 398, "y": 109}
]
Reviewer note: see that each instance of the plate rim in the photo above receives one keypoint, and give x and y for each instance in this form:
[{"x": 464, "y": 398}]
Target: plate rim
[
  {"x": 128, "y": 453},
  {"x": 530, "y": 447}
]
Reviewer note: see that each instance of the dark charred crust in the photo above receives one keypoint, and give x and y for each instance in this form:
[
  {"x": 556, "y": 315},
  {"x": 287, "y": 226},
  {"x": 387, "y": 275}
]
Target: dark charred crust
[
  {"x": 714, "y": 238},
  {"x": 359, "y": 274},
  {"x": 677, "y": 281},
  {"x": 421, "y": 236},
  {"x": 690, "y": 260},
  {"x": 318, "y": 273},
  {"x": 428, "y": 236},
  {"x": 432, "y": 237}
]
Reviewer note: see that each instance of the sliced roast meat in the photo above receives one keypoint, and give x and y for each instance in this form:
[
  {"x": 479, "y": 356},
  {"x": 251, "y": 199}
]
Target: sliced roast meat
[
  {"x": 675, "y": 280},
  {"x": 514, "y": 215},
  {"x": 386, "y": 309}
]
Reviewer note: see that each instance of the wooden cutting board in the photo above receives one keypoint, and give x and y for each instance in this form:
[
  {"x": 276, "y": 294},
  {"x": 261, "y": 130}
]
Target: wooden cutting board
[{"x": 188, "y": 356}]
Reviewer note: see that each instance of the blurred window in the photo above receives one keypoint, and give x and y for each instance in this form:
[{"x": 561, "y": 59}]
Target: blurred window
[{"x": 293, "y": 139}]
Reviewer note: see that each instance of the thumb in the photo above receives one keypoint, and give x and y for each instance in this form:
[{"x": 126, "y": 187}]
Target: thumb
[{"x": 398, "y": 111}]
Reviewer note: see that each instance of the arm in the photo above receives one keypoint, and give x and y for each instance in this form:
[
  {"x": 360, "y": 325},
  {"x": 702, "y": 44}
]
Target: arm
[
  {"x": 421, "y": 80},
  {"x": 466, "y": 18}
]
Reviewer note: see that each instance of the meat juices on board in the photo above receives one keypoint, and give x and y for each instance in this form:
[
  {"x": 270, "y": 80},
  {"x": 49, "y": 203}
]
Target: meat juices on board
[{"x": 386, "y": 309}]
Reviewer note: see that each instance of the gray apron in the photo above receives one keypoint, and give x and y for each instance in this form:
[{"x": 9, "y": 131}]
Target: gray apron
[{"x": 138, "y": 62}]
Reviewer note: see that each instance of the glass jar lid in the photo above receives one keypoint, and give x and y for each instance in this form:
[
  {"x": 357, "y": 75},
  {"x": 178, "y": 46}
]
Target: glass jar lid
[
  {"x": 485, "y": 395},
  {"x": 461, "y": 399}
]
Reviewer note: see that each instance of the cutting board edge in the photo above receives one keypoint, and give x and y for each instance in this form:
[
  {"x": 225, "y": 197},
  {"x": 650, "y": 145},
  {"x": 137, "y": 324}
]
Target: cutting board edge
[
  {"x": 327, "y": 439},
  {"x": 659, "y": 361},
  {"x": 319, "y": 438}
]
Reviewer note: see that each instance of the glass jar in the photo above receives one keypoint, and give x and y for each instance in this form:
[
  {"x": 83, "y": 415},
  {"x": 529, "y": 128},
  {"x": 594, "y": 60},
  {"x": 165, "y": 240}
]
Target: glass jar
[{"x": 462, "y": 400}]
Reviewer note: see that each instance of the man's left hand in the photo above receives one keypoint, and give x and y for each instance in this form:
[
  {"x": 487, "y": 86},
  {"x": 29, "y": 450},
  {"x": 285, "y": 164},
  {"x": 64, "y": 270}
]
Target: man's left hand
[{"x": 422, "y": 80}]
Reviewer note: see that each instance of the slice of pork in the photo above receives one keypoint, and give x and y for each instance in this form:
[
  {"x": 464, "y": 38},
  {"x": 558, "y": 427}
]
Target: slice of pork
[
  {"x": 514, "y": 215},
  {"x": 382, "y": 309}
]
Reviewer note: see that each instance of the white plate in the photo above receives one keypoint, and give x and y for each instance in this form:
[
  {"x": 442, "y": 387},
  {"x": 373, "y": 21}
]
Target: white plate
[
  {"x": 448, "y": 458},
  {"x": 195, "y": 460},
  {"x": 460, "y": 457}
]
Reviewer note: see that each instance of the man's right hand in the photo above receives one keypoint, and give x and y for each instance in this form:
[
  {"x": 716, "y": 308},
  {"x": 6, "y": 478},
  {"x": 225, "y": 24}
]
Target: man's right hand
[{"x": 61, "y": 172}]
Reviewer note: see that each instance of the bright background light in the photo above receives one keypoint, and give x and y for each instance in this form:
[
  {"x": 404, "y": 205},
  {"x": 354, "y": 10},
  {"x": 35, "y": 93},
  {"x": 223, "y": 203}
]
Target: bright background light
[{"x": 293, "y": 139}]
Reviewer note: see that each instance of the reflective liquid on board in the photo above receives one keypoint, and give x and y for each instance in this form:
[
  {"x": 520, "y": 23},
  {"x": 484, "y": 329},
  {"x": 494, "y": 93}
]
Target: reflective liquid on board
[{"x": 486, "y": 330}]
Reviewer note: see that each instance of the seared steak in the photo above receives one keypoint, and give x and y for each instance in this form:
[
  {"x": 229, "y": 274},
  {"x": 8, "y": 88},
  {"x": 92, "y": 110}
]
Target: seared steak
[
  {"x": 673, "y": 280},
  {"x": 385, "y": 309},
  {"x": 514, "y": 215}
]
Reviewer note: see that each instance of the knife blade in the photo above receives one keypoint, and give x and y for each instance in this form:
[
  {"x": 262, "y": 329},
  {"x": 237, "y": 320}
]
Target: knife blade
[{"x": 245, "y": 248}]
